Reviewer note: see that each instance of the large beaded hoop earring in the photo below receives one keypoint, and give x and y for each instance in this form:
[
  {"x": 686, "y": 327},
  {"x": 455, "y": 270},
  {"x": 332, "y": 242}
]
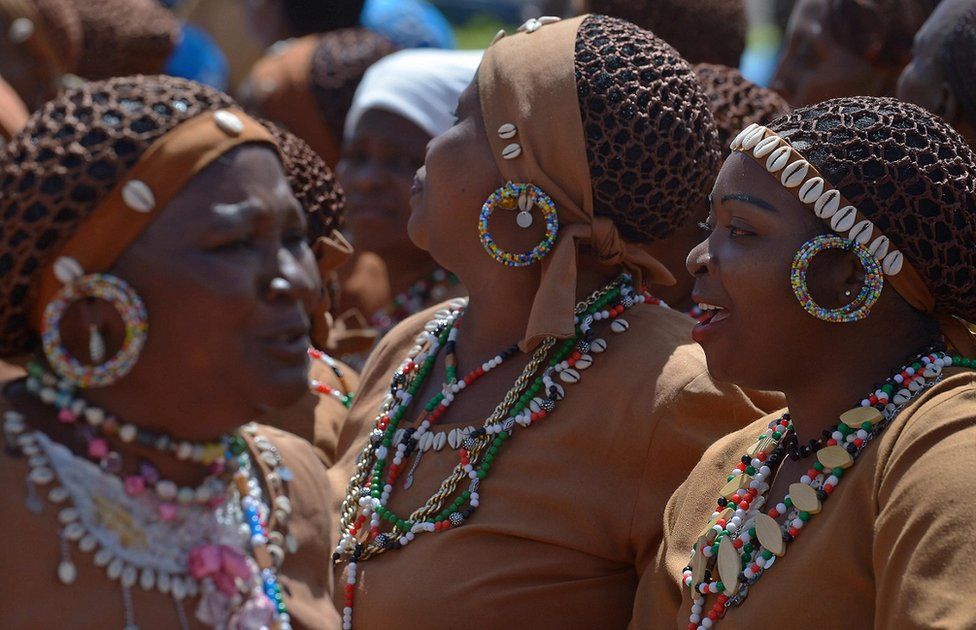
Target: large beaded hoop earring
[
  {"x": 521, "y": 197},
  {"x": 860, "y": 307},
  {"x": 130, "y": 308}
]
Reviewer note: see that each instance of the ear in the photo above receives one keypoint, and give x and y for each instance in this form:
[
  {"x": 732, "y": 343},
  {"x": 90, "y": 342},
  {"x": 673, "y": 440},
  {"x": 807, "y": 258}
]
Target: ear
[{"x": 852, "y": 277}]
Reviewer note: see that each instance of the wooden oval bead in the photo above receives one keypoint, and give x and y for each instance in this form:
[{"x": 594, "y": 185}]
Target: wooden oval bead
[
  {"x": 724, "y": 515},
  {"x": 857, "y": 416},
  {"x": 835, "y": 457},
  {"x": 804, "y": 498},
  {"x": 729, "y": 563},
  {"x": 769, "y": 534},
  {"x": 699, "y": 564},
  {"x": 736, "y": 483}
]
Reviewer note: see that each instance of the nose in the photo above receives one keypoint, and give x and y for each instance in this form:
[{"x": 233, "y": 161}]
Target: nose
[
  {"x": 291, "y": 280},
  {"x": 699, "y": 259}
]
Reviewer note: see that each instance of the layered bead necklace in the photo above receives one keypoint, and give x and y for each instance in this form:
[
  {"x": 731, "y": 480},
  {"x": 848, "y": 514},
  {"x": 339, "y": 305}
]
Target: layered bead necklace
[
  {"x": 533, "y": 398},
  {"x": 747, "y": 532},
  {"x": 215, "y": 541}
]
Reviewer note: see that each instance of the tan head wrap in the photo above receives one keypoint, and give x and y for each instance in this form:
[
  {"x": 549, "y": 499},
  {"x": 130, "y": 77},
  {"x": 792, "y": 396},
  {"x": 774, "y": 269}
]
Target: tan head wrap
[{"x": 540, "y": 99}]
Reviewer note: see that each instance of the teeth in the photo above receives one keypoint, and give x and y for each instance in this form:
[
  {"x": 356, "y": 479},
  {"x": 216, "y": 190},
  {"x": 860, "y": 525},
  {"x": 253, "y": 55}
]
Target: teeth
[{"x": 709, "y": 307}]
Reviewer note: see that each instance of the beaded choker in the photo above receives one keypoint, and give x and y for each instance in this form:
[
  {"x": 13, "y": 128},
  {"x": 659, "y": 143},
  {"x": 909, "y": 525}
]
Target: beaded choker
[
  {"x": 368, "y": 527},
  {"x": 318, "y": 387},
  {"x": 741, "y": 541}
]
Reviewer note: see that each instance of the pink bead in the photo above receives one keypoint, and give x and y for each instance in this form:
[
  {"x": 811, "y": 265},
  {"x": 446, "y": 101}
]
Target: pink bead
[
  {"x": 98, "y": 448},
  {"x": 167, "y": 511},
  {"x": 135, "y": 485},
  {"x": 67, "y": 416}
]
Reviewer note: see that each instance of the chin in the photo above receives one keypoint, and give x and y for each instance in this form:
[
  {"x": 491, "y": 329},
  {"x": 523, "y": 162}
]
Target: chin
[
  {"x": 280, "y": 393},
  {"x": 417, "y": 232}
]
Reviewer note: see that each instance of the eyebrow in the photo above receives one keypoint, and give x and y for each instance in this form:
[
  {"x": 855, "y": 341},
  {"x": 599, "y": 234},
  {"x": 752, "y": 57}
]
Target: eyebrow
[{"x": 749, "y": 199}]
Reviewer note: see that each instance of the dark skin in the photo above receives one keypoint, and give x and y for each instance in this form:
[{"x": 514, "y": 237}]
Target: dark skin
[
  {"x": 816, "y": 67},
  {"x": 376, "y": 171},
  {"x": 923, "y": 81},
  {"x": 223, "y": 346},
  {"x": 458, "y": 175},
  {"x": 743, "y": 266},
  {"x": 672, "y": 253}
]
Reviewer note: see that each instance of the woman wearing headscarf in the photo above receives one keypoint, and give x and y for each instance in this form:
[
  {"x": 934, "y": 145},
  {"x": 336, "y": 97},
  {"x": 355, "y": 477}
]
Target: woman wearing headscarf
[
  {"x": 513, "y": 451},
  {"x": 940, "y": 75},
  {"x": 836, "y": 48},
  {"x": 735, "y": 102},
  {"x": 40, "y": 46},
  {"x": 319, "y": 414},
  {"x": 841, "y": 256},
  {"x": 404, "y": 101},
  {"x": 159, "y": 274},
  {"x": 307, "y": 84}
]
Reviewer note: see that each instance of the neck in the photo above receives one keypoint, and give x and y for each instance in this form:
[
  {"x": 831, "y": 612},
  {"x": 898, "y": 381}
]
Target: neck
[
  {"x": 817, "y": 401},
  {"x": 499, "y": 308},
  {"x": 409, "y": 269}
]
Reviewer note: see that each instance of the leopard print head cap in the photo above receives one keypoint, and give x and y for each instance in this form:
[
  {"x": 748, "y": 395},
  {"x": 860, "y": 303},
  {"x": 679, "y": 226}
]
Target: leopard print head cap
[
  {"x": 737, "y": 102},
  {"x": 69, "y": 157},
  {"x": 907, "y": 171},
  {"x": 651, "y": 140}
]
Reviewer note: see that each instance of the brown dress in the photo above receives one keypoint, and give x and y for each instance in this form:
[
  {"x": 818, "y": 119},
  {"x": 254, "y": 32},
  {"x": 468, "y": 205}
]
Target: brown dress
[
  {"x": 892, "y": 547},
  {"x": 31, "y": 595},
  {"x": 318, "y": 418},
  {"x": 571, "y": 513}
]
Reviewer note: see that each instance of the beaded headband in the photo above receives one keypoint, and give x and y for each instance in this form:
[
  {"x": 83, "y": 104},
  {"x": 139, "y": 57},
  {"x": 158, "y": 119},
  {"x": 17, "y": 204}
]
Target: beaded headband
[
  {"x": 795, "y": 173},
  {"x": 159, "y": 174}
]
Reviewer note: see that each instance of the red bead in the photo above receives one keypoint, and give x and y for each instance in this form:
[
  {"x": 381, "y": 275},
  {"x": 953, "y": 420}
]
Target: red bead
[
  {"x": 712, "y": 615},
  {"x": 794, "y": 532},
  {"x": 828, "y": 488},
  {"x": 737, "y": 543},
  {"x": 858, "y": 442},
  {"x": 773, "y": 512},
  {"x": 831, "y": 442}
]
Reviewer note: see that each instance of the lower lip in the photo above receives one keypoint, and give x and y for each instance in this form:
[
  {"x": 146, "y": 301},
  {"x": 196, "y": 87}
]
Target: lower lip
[
  {"x": 290, "y": 350},
  {"x": 705, "y": 331},
  {"x": 416, "y": 188}
]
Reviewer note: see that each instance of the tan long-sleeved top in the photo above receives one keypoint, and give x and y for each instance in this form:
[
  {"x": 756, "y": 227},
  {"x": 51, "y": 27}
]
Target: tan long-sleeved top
[
  {"x": 571, "y": 513},
  {"x": 892, "y": 547}
]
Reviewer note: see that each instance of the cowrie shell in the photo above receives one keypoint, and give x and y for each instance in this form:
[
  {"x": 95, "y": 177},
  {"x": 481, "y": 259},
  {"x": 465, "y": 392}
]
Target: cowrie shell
[
  {"x": 737, "y": 141},
  {"x": 137, "y": 196},
  {"x": 750, "y": 141},
  {"x": 67, "y": 269},
  {"x": 439, "y": 441},
  {"x": 811, "y": 190},
  {"x": 861, "y": 232},
  {"x": 778, "y": 159},
  {"x": 454, "y": 438},
  {"x": 569, "y": 375},
  {"x": 525, "y": 202},
  {"x": 426, "y": 442},
  {"x": 228, "y": 122},
  {"x": 893, "y": 262},
  {"x": 507, "y": 131},
  {"x": 500, "y": 34},
  {"x": 879, "y": 247},
  {"x": 598, "y": 345},
  {"x": 828, "y": 204},
  {"x": 512, "y": 151},
  {"x": 795, "y": 173},
  {"x": 583, "y": 362},
  {"x": 765, "y": 147},
  {"x": 844, "y": 219},
  {"x": 619, "y": 325}
]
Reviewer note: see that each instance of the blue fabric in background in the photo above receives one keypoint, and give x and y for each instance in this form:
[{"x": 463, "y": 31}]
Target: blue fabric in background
[
  {"x": 198, "y": 57},
  {"x": 409, "y": 23}
]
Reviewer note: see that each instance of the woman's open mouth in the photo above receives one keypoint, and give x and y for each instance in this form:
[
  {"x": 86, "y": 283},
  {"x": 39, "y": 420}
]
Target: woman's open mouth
[{"x": 709, "y": 322}]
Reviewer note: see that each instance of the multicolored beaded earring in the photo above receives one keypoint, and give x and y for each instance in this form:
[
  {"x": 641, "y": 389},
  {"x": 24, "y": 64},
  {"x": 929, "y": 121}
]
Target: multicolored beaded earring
[
  {"x": 521, "y": 197},
  {"x": 860, "y": 307},
  {"x": 130, "y": 308}
]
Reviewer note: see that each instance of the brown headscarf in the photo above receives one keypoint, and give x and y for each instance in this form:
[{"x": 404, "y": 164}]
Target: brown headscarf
[
  {"x": 307, "y": 84},
  {"x": 543, "y": 101},
  {"x": 56, "y": 37}
]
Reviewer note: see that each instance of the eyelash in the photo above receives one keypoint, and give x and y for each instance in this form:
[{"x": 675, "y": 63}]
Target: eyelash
[{"x": 732, "y": 229}]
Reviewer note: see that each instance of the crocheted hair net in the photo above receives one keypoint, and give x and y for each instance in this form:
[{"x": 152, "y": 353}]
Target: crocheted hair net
[
  {"x": 958, "y": 57},
  {"x": 69, "y": 156},
  {"x": 907, "y": 171},
  {"x": 338, "y": 65},
  {"x": 312, "y": 183},
  {"x": 650, "y": 139},
  {"x": 703, "y": 31},
  {"x": 123, "y": 37},
  {"x": 737, "y": 102}
]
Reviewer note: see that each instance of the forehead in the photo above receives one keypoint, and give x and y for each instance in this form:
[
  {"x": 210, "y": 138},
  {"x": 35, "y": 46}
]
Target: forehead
[{"x": 740, "y": 174}]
